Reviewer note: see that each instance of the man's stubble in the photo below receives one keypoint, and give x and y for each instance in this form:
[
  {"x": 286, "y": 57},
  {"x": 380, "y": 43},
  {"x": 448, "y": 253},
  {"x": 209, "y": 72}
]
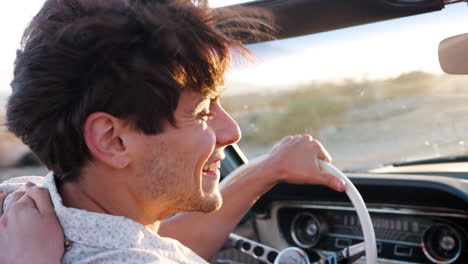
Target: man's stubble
[{"x": 162, "y": 179}]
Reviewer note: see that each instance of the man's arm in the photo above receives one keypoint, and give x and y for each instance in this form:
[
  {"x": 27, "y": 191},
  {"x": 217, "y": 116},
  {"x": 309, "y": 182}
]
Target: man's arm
[{"x": 293, "y": 160}]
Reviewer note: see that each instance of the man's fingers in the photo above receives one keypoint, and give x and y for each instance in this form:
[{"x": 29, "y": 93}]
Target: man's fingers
[
  {"x": 14, "y": 198},
  {"x": 285, "y": 140},
  {"x": 2, "y": 199},
  {"x": 25, "y": 202},
  {"x": 323, "y": 153},
  {"x": 41, "y": 198},
  {"x": 332, "y": 182}
]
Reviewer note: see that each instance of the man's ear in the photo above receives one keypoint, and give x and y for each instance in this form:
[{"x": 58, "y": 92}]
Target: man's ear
[{"x": 104, "y": 137}]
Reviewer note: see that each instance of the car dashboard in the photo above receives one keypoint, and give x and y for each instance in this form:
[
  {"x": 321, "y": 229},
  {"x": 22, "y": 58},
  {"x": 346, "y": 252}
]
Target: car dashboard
[{"x": 417, "y": 218}]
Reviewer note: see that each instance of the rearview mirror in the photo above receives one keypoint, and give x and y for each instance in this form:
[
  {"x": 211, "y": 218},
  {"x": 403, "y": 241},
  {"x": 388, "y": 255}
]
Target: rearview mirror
[{"x": 453, "y": 54}]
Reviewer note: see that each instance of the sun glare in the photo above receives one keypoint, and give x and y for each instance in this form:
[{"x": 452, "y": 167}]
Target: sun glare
[
  {"x": 220, "y": 3},
  {"x": 375, "y": 51}
]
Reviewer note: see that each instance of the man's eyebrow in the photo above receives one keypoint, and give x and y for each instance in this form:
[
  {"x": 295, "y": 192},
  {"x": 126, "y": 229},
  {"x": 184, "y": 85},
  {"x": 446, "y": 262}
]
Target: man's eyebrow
[
  {"x": 198, "y": 106},
  {"x": 200, "y": 103}
]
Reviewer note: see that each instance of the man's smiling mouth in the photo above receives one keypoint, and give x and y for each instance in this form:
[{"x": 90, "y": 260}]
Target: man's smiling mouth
[{"x": 212, "y": 167}]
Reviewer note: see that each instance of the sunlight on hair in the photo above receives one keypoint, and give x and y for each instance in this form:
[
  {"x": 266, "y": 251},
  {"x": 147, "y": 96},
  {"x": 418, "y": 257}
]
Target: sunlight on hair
[{"x": 220, "y": 3}]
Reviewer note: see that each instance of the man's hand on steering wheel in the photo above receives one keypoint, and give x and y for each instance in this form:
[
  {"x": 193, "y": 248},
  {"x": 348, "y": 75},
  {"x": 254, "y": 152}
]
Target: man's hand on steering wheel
[
  {"x": 302, "y": 160},
  {"x": 295, "y": 159}
]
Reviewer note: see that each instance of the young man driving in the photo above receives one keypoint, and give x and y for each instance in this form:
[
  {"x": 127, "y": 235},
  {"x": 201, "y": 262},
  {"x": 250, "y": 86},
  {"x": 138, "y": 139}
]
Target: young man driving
[{"x": 120, "y": 100}]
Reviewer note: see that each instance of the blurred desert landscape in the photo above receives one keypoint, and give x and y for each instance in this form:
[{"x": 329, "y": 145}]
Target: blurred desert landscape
[
  {"x": 363, "y": 123},
  {"x": 15, "y": 158}
]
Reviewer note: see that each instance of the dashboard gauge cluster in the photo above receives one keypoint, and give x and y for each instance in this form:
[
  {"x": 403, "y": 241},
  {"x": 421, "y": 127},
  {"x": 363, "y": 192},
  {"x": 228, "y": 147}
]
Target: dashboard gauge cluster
[
  {"x": 409, "y": 236},
  {"x": 442, "y": 243},
  {"x": 307, "y": 229}
]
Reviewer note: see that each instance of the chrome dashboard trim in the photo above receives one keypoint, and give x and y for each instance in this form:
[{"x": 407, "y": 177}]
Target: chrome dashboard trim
[
  {"x": 380, "y": 240},
  {"x": 421, "y": 211},
  {"x": 380, "y": 259}
]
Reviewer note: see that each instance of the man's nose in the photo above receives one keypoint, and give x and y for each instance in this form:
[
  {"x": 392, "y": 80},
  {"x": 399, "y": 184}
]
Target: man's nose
[{"x": 226, "y": 129}]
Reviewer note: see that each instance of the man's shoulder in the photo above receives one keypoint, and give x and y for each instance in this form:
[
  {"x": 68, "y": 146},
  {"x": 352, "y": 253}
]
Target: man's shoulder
[
  {"x": 15, "y": 183},
  {"x": 152, "y": 249},
  {"x": 85, "y": 255}
]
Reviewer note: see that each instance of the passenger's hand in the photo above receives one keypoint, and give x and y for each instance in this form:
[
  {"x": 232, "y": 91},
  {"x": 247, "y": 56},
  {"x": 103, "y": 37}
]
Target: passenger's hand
[
  {"x": 29, "y": 229},
  {"x": 295, "y": 160}
]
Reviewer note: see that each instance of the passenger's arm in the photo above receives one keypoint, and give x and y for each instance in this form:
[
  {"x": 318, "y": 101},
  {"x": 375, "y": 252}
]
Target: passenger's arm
[
  {"x": 29, "y": 229},
  {"x": 293, "y": 160}
]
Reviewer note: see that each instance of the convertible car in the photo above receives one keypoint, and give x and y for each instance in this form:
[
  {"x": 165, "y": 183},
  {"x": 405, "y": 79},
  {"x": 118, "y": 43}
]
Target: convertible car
[{"x": 364, "y": 78}]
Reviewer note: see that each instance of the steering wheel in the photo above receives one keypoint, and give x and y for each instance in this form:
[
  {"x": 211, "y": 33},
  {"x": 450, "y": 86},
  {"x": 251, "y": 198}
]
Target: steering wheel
[{"x": 298, "y": 255}]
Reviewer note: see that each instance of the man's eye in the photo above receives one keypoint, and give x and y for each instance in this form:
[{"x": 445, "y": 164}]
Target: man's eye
[{"x": 205, "y": 116}]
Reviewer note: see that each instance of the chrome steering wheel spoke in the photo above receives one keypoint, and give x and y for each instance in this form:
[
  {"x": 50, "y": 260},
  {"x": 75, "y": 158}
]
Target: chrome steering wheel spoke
[{"x": 288, "y": 255}]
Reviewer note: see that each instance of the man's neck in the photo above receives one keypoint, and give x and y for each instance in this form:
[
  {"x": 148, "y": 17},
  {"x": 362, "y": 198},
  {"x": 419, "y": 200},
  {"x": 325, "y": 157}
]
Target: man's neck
[{"x": 104, "y": 192}]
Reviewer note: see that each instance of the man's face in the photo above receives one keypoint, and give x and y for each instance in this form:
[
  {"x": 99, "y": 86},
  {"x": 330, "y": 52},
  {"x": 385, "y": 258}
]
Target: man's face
[{"x": 180, "y": 166}]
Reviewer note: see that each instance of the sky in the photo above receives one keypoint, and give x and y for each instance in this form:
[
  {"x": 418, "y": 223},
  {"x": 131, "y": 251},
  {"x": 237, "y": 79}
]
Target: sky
[{"x": 377, "y": 50}]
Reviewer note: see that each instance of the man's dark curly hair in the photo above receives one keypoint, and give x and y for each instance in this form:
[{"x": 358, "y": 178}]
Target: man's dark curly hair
[{"x": 129, "y": 58}]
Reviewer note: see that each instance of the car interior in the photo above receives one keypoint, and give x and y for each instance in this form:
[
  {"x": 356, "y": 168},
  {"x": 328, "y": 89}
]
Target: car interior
[
  {"x": 383, "y": 85},
  {"x": 418, "y": 206}
]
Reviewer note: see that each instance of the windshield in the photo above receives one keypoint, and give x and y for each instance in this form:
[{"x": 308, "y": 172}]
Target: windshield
[{"x": 372, "y": 94}]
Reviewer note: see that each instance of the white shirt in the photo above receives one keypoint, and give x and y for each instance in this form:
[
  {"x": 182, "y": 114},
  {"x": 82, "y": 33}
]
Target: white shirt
[{"x": 101, "y": 238}]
